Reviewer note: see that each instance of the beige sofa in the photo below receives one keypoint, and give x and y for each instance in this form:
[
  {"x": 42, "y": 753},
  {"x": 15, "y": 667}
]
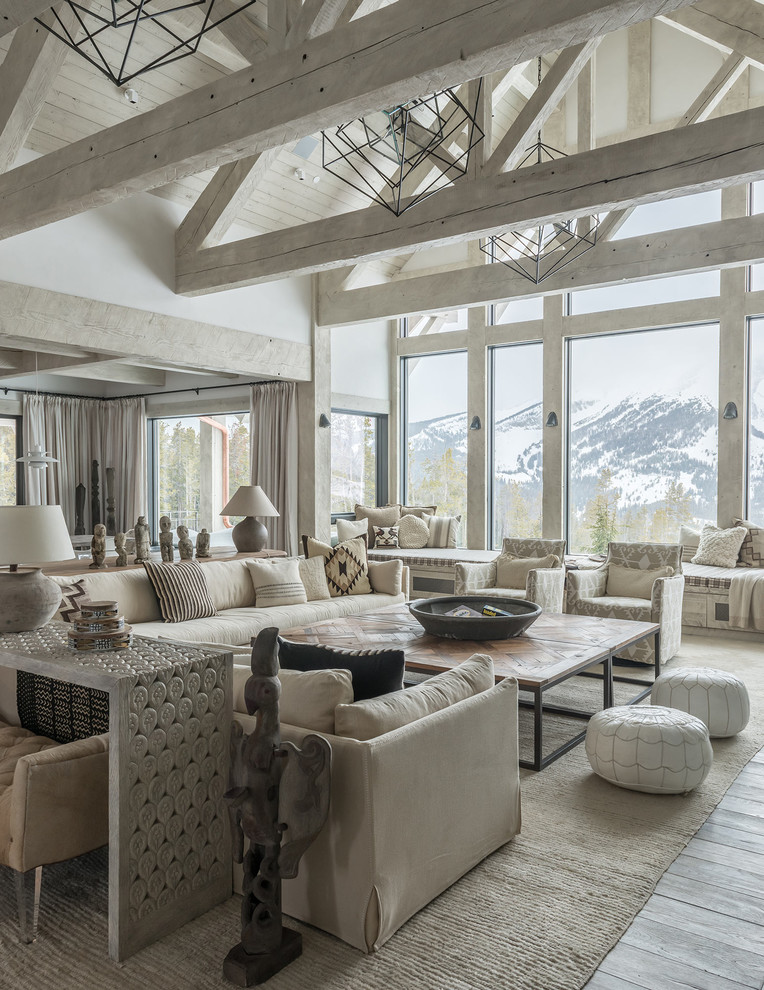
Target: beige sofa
[
  {"x": 233, "y": 595},
  {"x": 411, "y": 812}
]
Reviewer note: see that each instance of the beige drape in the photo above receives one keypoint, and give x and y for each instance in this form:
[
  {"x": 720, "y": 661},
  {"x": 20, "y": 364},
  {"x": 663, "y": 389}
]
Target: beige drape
[
  {"x": 77, "y": 432},
  {"x": 273, "y": 457}
]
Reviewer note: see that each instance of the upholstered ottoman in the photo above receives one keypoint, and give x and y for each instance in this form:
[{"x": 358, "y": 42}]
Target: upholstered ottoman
[
  {"x": 718, "y": 699},
  {"x": 649, "y": 748}
]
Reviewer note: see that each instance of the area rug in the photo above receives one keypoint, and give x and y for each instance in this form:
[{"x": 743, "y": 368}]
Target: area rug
[{"x": 539, "y": 914}]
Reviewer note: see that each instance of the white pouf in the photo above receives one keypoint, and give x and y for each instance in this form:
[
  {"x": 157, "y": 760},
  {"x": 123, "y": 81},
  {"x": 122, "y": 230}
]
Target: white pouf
[
  {"x": 649, "y": 748},
  {"x": 718, "y": 699}
]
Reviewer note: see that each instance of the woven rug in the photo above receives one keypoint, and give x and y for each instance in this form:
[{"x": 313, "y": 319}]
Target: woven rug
[{"x": 538, "y": 914}]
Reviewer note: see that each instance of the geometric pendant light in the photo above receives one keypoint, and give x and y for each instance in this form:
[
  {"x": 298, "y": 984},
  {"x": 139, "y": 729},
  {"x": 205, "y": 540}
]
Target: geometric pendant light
[{"x": 130, "y": 37}]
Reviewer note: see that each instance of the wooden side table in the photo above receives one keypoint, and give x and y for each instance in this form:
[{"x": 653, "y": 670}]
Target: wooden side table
[{"x": 170, "y": 716}]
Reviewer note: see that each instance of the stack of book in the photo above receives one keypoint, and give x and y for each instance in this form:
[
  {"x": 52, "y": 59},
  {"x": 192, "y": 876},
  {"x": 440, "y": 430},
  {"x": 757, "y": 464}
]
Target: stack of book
[{"x": 97, "y": 627}]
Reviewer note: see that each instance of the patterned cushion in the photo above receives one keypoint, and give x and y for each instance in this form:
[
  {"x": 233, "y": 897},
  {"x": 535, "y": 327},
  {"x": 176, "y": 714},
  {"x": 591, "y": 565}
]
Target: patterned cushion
[
  {"x": 689, "y": 537},
  {"x": 719, "y": 547},
  {"x": 413, "y": 532},
  {"x": 347, "y": 571},
  {"x": 181, "y": 590},
  {"x": 61, "y": 711},
  {"x": 277, "y": 582},
  {"x": 443, "y": 530},
  {"x": 386, "y": 536},
  {"x": 752, "y": 551},
  {"x": 73, "y": 597},
  {"x": 386, "y": 515},
  {"x": 374, "y": 672}
]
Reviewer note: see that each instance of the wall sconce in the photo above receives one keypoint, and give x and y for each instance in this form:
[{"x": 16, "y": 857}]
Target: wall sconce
[
  {"x": 476, "y": 424},
  {"x": 324, "y": 421},
  {"x": 730, "y": 411},
  {"x": 551, "y": 419}
]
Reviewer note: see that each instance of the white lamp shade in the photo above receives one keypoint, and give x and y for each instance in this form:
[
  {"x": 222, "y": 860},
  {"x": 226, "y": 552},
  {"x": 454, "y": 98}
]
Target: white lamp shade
[
  {"x": 249, "y": 500},
  {"x": 33, "y": 534}
]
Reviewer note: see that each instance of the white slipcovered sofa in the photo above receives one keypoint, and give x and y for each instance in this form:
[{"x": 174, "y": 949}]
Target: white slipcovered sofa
[{"x": 233, "y": 594}]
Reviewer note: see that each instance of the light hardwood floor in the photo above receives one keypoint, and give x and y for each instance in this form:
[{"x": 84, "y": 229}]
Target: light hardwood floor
[{"x": 703, "y": 928}]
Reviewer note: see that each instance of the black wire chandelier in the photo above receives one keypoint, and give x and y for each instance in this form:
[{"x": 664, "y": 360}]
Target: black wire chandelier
[
  {"x": 400, "y": 157},
  {"x": 111, "y": 34},
  {"x": 540, "y": 251}
]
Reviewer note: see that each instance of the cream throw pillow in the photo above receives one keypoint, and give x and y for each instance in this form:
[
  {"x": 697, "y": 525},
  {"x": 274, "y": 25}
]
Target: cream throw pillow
[
  {"x": 719, "y": 547},
  {"x": 413, "y": 532},
  {"x": 313, "y": 577},
  {"x": 512, "y": 572},
  {"x": 385, "y": 576},
  {"x": 376, "y": 716},
  {"x": 277, "y": 582},
  {"x": 348, "y": 528},
  {"x": 308, "y": 698},
  {"x": 633, "y": 582},
  {"x": 443, "y": 531}
]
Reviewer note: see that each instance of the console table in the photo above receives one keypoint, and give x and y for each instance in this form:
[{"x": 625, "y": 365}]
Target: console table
[{"x": 169, "y": 724}]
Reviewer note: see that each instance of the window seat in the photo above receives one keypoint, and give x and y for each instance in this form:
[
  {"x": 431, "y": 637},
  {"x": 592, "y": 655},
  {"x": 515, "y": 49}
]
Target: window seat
[
  {"x": 707, "y": 598},
  {"x": 431, "y": 569}
]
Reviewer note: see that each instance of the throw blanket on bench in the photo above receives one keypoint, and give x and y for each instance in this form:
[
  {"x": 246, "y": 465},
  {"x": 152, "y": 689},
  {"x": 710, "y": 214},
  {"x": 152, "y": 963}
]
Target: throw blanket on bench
[{"x": 747, "y": 600}]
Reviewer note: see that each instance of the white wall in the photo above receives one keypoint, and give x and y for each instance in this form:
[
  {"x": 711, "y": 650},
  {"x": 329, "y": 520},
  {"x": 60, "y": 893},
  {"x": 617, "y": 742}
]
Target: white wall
[
  {"x": 361, "y": 361},
  {"x": 124, "y": 254}
]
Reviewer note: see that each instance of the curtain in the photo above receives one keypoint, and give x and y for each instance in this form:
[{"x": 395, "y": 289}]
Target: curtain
[
  {"x": 273, "y": 457},
  {"x": 77, "y": 432}
]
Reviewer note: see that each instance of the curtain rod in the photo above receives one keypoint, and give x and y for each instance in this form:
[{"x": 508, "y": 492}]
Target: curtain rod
[{"x": 137, "y": 395}]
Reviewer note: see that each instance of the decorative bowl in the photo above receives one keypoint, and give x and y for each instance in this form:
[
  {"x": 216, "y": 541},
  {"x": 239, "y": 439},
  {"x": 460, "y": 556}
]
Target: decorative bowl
[{"x": 431, "y": 614}]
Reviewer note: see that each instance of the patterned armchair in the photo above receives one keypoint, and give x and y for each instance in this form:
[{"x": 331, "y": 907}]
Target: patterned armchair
[
  {"x": 544, "y": 586},
  {"x": 587, "y": 594}
]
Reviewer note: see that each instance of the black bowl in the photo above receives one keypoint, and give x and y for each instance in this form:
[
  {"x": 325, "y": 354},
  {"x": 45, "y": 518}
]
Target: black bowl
[{"x": 431, "y": 613}]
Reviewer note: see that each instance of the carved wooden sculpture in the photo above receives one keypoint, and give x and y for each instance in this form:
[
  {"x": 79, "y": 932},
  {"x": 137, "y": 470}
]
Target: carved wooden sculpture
[
  {"x": 95, "y": 496},
  {"x": 98, "y": 546},
  {"x": 111, "y": 526},
  {"x": 275, "y": 788},
  {"x": 185, "y": 546},
  {"x": 203, "y": 544},
  {"x": 142, "y": 541},
  {"x": 79, "y": 510},
  {"x": 119, "y": 546},
  {"x": 166, "y": 540}
]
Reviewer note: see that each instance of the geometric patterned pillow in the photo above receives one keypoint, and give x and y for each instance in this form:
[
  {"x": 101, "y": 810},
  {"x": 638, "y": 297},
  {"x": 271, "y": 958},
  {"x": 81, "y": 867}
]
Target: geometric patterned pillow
[
  {"x": 752, "y": 551},
  {"x": 347, "y": 571},
  {"x": 73, "y": 597},
  {"x": 385, "y": 536}
]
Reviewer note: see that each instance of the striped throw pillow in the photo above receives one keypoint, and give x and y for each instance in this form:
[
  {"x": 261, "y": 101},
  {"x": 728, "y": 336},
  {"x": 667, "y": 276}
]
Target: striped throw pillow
[
  {"x": 443, "y": 530},
  {"x": 277, "y": 582},
  {"x": 181, "y": 590}
]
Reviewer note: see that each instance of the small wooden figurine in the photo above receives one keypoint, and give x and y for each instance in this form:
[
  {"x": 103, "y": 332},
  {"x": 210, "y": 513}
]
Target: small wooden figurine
[
  {"x": 185, "y": 546},
  {"x": 119, "y": 545},
  {"x": 274, "y": 788},
  {"x": 165, "y": 540},
  {"x": 98, "y": 546},
  {"x": 142, "y": 541},
  {"x": 203, "y": 544}
]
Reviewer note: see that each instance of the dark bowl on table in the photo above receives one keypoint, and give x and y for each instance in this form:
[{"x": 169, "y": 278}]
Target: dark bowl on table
[{"x": 431, "y": 614}]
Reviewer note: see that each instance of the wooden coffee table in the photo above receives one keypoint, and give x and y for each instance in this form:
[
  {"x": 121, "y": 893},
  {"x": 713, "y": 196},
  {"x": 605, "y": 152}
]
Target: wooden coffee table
[{"x": 555, "y": 648}]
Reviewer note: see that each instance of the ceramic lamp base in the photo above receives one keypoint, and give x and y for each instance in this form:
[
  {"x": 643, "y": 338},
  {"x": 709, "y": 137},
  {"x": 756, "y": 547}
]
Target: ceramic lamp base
[
  {"x": 28, "y": 599},
  {"x": 249, "y": 536}
]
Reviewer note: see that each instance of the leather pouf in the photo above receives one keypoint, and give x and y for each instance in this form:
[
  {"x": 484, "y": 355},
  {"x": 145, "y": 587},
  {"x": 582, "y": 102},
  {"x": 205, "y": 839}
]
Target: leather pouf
[
  {"x": 718, "y": 699},
  {"x": 649, "y": 748}
]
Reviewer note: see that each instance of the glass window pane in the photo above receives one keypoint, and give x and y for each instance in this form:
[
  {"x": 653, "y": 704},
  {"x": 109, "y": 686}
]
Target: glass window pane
[
  {"x": 674, "y": 288},
  {"x": 671, "y": 214},
  {"x": 517, "y": 435},
  {"x": 354, "y": 461},
  {"x": 8, "y": 462},
  {"x": 201, "y": 462},
  {"x": 756, "y": 426},
  {"x": 426, "y": 323},
  {"x": 435, "y": 434},
  {"x": 519, "y": 310},
  {"x": 643, "y": 435},
  {"x": 757, "y": 206}
]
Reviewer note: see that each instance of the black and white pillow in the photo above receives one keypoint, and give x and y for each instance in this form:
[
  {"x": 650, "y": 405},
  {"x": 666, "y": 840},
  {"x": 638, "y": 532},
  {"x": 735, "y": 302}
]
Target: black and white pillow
[
  {"x": 386, "y": 536},
  {"x": 181, "y": 590},
  {"x": 73, "y": 597}
]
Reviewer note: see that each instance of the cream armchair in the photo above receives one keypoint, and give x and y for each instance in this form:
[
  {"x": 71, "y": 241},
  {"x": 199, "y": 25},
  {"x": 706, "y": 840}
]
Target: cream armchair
[
  {"x": 623, "y": 589},
  {"x": 543, "y": 586},
  {"x": 53, "y": 806}
]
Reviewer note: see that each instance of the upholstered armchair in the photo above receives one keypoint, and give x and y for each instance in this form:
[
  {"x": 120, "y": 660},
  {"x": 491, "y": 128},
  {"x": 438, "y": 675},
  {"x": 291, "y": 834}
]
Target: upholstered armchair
[
  {"x": 639, "y": 581},
  {"x": 543, "y": 584}
]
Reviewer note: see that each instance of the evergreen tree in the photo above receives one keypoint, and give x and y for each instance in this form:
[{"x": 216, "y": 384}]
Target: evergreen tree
[{"x": 601, "y": 513}]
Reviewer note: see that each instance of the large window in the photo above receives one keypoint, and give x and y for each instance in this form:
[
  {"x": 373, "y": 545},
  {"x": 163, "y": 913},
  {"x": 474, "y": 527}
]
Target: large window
[
  {"x": 421, "y": 324},
  {"x": 673, "y": 288},
  {"x": 199, "y": 462},
  {"x": 756, "y": 424},
  {"x": 642, "y": 447},
  {"x": 516, "y": 419},
  {"x": 359, "y": 451},
  {"x": 756, "y": 281},
  {"x": 10, "y": 449},
  {"x": 435, "y": 433}
]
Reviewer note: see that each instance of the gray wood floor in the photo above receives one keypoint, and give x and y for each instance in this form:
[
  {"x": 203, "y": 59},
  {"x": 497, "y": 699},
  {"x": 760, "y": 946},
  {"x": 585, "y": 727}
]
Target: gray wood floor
[{"x": 703, "y": 928}]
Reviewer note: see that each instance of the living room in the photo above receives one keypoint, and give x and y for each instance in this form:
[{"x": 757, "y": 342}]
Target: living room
[{"x": 203, "y": 312}]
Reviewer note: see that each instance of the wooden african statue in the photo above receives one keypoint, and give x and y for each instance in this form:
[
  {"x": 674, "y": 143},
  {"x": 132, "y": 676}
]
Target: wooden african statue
[{"x": 276, "y": 791}]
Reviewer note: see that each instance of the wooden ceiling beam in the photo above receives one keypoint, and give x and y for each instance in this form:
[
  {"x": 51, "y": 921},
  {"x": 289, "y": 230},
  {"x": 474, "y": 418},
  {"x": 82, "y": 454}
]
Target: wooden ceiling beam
[
  {"x": 14, "y": 13},
  {"x": 398, "y": 53},
  {"x": 731, "y": 25},
  {"x": 724, "y": 244},
  {"x": 719, "y": 152}
]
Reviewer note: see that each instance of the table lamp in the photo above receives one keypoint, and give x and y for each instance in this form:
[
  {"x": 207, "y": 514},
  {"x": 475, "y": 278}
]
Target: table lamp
[
  {"x": 249, "y": 536},
  {"x": 33, "y": 534}
]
